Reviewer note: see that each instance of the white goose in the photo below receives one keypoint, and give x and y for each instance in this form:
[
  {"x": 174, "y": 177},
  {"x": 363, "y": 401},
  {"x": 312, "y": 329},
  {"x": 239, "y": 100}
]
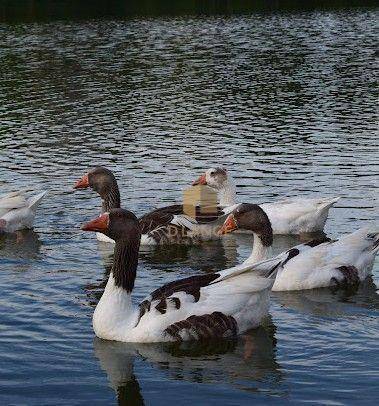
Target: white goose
[
  {"x": 17, "y": 211},
  {"x": 220, "y": 304},
  {"x": 288, "y": 216},
  {"x": 315, "y": 264},
  {"x": 165, "y": 225}
]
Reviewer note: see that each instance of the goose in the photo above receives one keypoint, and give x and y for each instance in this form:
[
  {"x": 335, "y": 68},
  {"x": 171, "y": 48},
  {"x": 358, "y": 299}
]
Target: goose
[
  {"x": 165, "y": 225},
  {"x": 17, "y": 211},
  {"x": 315, "y": 264},
  {"x": 214, "y": 305},
  {"x": 288, "y": 216}
]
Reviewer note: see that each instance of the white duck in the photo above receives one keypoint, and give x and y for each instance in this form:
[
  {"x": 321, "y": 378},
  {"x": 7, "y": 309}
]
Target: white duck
[
  {"x": 288, "y": 216},
  {"x": 220, "y": 304},
  {"x": 165, "y": 225},
  {"x": 17, "y": 211},
  {"x": 315, "y": 264}
]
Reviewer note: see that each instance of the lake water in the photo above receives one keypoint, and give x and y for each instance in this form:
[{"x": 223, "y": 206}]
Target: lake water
[{"x": 286, "y": 101}]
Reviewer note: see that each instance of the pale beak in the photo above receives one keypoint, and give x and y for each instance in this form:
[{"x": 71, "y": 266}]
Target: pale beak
[
  {"x": 82, "y": 183},
  {"x": 200, "y": 181},
  {"x": 98, "y": 224},
  {"x": 228, "y": 226}
]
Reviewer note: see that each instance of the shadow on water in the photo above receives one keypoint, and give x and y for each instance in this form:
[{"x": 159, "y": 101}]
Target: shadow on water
[
  {"x": 250, "y": 358},
  {"x": 206, "y": 257},
  {"x": 327, "y": 302},
  {"x": 24, "y": 244}
]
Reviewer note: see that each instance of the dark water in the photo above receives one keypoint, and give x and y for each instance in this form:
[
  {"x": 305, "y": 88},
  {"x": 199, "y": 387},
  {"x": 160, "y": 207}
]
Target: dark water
[{"x": 286, "y": 101}]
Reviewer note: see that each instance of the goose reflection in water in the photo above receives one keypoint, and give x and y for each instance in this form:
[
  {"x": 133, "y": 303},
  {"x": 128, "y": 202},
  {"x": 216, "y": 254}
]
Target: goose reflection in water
[
  {"x": 329, "y": 301},
  {"x": 245, "y": 362},
  {"x": 209, "y": 256},
  {"x": 23, "y": 244}
]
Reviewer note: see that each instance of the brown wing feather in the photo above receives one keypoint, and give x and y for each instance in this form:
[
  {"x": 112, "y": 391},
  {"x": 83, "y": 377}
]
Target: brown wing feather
[
  {"x": 164, "y": 215},
  {"x": 190, "y": 285},
  {"x": 159, "y": 217}
]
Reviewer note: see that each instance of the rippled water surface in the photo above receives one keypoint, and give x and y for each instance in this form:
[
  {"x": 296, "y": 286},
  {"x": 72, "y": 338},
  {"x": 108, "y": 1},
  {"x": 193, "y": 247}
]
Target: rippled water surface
[{"x": 287, "y": 102}]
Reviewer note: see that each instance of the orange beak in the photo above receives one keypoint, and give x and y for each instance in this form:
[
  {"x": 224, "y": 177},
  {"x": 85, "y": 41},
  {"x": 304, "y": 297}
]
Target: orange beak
[
  {"x": 228, "y": 226},
  {"x": 82, "y": 183},
  {"x": 200, "y": 181},
  {"x": 99, "y": 224}
]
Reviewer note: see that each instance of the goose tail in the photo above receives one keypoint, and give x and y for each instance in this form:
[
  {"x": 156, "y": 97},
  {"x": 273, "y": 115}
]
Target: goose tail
[
  {"x": 374, "y": 237},
  {"x": 34, "y": 201},
  {"x": 325, "y": 204}
]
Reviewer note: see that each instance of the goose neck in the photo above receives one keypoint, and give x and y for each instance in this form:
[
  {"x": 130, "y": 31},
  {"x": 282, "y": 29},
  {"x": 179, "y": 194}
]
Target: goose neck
[
  {"x": 111, "y": 198},
  {"x": 260, "y": 251},
  {"x": 125, "y": 263},
  {"x": 227, "y": 194}
]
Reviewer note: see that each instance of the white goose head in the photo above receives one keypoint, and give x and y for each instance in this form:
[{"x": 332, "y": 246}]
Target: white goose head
[
  {"x": 219, "y": 180},
  {"x": 216, "y": 178}
]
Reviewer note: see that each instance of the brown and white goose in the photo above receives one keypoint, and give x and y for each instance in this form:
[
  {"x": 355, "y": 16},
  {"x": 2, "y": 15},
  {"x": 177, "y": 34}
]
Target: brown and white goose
[
  {"x": 214, "y": 305},
  {"x": 316, "y": 264},
  {"x": 288, "y": 216},
  {"x": 164, "y": 225}
]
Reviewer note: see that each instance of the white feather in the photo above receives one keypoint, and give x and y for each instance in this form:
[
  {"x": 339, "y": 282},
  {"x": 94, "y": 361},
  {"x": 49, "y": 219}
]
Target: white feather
[{"x": 18, "y": 211}]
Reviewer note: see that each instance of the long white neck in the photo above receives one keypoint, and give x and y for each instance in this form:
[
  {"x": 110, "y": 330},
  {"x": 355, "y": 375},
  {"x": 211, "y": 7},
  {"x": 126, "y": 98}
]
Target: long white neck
[
  {"x": 114, "y": 312},
  {"x": 227, "y": 194},
  {"x": 259, "y": 252}
]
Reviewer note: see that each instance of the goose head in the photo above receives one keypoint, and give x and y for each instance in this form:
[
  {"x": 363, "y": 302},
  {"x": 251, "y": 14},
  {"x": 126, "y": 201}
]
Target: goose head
[
  {"x": 118, "y": 224},
  {"x": 99, "y": 179},
  {"x": 216, "y": 178},
  {"x": 249, "y": 217}
]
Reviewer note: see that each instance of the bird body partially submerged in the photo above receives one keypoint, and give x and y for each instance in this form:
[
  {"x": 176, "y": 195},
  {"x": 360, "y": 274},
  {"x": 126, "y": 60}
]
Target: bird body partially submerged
[{"x": 17, "y": 210}]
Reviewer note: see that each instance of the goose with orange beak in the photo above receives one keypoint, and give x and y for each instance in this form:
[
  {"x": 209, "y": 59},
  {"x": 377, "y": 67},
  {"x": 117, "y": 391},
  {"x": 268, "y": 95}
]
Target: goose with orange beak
[
  {"x": 315, "y": 264},
  {"x": 166, "y": 225},
  {"x": 288, "y": 216},
  {"x": 214, "y": 305}
]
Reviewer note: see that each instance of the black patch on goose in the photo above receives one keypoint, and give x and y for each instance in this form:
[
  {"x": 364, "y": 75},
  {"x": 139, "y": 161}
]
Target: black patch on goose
[
  {"x": 162, "y": 306},
  {"x": 144, "y": 307},
  {"x": 159, "y": 217},
  {"x": 291, "y": 253},
  {"x": 190, "y": 285},
  {"x": 164, "y": 215},
  {"x": 317, "y": 241},
  {"x": 350, "y": 275},
  {"x": 272, "y": 272},
  {"x": 176, "y": 302},
  {"x": 207, "y": 326}
]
